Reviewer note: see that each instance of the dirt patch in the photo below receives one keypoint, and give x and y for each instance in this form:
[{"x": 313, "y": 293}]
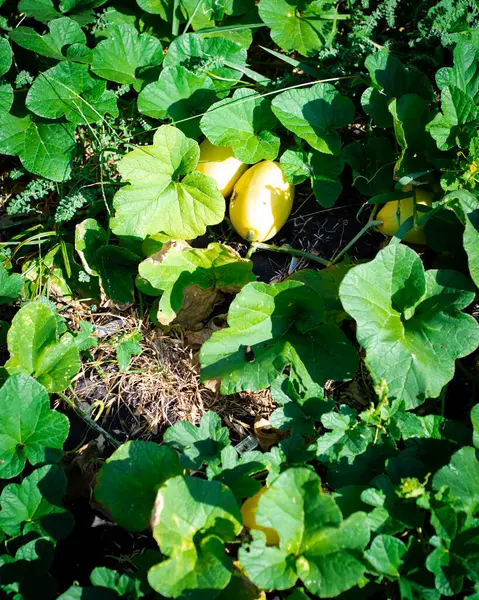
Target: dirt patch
[{"x": 161, "y": 386}]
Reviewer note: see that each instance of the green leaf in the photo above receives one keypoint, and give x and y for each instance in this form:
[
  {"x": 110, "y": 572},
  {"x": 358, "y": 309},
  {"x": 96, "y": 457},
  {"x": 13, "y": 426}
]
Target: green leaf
[
  {"x": 128, "y": 346},
  {"x": 465, "y": 73},
  {"x": 66, "y": 40},
  {"x": 193, "y": 279},
  {"x": 220, "y": 58},
  {"x": 11, "y": 286},
  {"x": 467, "y": 209},
  {"x": 372, "y": 164},
  {"x": 295, "y": 165},
  {"x": 29, "y": 430},
  {"x": 117, "y": 268},
  {"x": 298, "y": 412},
  {"x": 128, "y": 481},
  {"x": 178, "y": 94},
  {"x": 386, "y": 555},
  {"x": 5, "y": 56},
  {"x": 410, "y": 322},
  {"x": 89, "y": 238},
  {"x": 391, "y": 79},
  {"x": 461, "y": 478},
  {"x": 457, "y": 123},
  {"x": 40, "y": 10},
  {"x": 203, "y": 13},
  {"x": 127, "y": 56},
  {"x": 475, "y": 425},
  {"x": 302, "y": 25},
  {"x": 243, "y": 122},
  {"x": 37, "y": 502},
  {"x": 323, "y": 169},
  {"x": 45, "y": 149},
  {"x": 325, "y": 180},
  {"x": 122, "y": 584},
  {"x": 410, "y": 117},
  {"x": 316, "y": 544},
  {"x": 69, "y": 90},
  {"x": 314, "y": 114},
  {"x": 186, "y": 506},
  {"x": 6, "y": 97},
  {"x": 164, "y": 8},
  {"x": 394, "y": 79},
  {"x": 157, "y": 199},
  {"x": 347, "y": 437},
  {"x": 26, "y": 574},
  {"x": 200, "y": 444},
  {"x": 84, "y": 339},
  {"x": 36, "y": 349},
  {"x": 271, "y": 327}
]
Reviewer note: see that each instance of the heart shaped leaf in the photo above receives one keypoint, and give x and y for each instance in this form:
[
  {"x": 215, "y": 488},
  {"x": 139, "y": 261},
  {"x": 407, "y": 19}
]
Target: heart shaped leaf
[
  {"x": 410, "y": 322},
  {"x": 271, "y": 327},
  {"x": 29, "y": 430},
  {"x": 36, "y": 348},
  {"x": 166, "y": 194},
  {"x": 314, "y": 114},
  {"x": 243, "y": 122}
]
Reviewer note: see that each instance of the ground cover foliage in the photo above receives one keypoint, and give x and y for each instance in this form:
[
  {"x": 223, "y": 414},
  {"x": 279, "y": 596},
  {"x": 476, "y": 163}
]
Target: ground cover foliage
[{"x": 370, "y": 485}]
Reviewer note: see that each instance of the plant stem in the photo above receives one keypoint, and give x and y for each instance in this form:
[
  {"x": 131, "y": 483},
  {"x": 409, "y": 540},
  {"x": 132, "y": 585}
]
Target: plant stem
[
  {"x": 287, "y": 250},
  {"x": 88, "y": 420},
  {"x": 368, "y": 225}
]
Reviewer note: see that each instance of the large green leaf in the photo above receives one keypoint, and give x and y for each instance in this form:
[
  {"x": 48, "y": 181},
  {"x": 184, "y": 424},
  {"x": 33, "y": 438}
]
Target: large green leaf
[
  {"x": 222, "y": 59},
  {"x": 314, "y": 114},
  {"x": 191, "y": 522},
  {"x": 302, "y": 25},
  {"x": 41, "y": 10},
  {"x": 45, "y": 149},
  {"x": 391, "y": 79},
  {"x": 457, "y": 124},
  {"x": 271, "y": 327},
  {"x": 128, "y": 481},
  {"x": 410, "y": 322},
  {"x": 5, "y": 56},
  {"x": 386, "y": 555},
  {"x": 461, "y": 478},
  {"x": 324, "y": 170},
  {"x": 316, "y": 544},
  {"x": 29, "y": 430},
  {"x": 37, "y": 350},
  {"x": 243, "y": 122},
  {"x": 166, "y": 193},
  {"x": 178, "y": 94},
  {"x": 465, "y": 73},
  {"x": 69, "y": 90},
  {"x": 66, "y": 40},
  {"x": 467, "y": 209},
  {"x": 192, "y": 279},
  {"x": 117, "y": 267},
  {"x": 127, "y": 56},
  {"x": 37, "y": 502},
  {"x": 11, "y": 286}
]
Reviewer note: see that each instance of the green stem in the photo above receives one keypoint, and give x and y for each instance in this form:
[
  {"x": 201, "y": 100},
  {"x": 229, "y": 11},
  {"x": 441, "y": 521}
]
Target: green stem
[
  {"x": 255, "y": 246},
  {"x": 368, "y": 225},
  {"x": 175, "y": 22},
  {"x": 88, "y": 420}
]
